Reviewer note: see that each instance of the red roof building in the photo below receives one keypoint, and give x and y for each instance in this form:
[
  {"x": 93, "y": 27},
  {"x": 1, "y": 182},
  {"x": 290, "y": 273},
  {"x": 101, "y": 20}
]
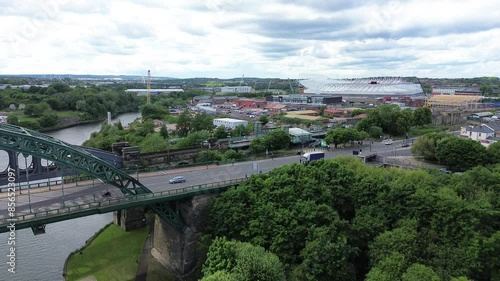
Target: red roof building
[{"x": 248, "y": 103}]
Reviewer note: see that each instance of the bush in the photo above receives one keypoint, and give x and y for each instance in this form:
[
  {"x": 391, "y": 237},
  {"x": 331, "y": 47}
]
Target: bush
[{"x": 29, "y": 124}]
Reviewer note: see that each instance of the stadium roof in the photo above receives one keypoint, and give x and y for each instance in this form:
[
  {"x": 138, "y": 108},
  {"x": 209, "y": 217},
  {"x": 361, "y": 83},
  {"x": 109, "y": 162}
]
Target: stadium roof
[{"x": 379, "y": 86}]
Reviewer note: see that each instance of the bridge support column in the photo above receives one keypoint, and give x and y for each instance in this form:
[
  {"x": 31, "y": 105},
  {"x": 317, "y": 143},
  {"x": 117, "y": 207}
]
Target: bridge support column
[
  {"x": 176, "y": 248},
  {"x": 130, "y": 219}
]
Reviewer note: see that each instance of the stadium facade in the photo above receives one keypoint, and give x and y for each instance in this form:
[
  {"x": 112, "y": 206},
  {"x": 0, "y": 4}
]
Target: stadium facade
[{"x": 358, "y": 88}]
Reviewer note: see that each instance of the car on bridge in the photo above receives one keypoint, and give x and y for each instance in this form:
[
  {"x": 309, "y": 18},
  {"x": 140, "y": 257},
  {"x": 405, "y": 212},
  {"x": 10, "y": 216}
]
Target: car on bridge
[
  {"x": 177, "y": 179},
  {"x": 388, "y": 142}
]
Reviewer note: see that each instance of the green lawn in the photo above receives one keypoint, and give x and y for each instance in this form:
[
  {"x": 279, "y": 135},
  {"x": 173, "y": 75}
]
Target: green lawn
[{"x": 112, "y": 255}]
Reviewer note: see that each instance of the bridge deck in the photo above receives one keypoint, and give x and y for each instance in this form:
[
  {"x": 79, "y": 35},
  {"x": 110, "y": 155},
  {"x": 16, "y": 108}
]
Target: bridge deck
[{"x": 112, "y": 204}]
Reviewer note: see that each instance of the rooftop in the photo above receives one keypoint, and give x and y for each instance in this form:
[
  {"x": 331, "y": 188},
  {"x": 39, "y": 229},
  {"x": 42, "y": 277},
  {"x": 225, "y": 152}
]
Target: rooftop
[{"x": 230, "y": 120}]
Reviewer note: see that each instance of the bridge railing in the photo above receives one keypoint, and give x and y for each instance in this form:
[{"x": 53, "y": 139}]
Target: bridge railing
[{"x": 128, "y": 200}]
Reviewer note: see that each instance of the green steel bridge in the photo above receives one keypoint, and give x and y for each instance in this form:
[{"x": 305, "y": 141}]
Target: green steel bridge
[{"x": 31, "y": 143}]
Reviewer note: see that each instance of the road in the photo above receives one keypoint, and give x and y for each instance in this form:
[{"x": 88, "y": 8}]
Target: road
[{"x": 41, "y": 199}]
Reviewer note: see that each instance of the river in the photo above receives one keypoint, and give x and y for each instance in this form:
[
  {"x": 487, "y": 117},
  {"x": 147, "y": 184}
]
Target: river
[{"x": 42, "y": 257}]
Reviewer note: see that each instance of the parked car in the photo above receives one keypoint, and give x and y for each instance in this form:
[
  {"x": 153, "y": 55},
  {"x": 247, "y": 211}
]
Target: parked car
[
  {"x": 177, "y": 179},
  {"x": 388, "y": 142},
  {"x": 445, "y": 171}
]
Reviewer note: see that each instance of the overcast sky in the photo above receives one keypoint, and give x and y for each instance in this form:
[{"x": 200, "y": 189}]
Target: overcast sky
[{"x": 272, "y": 38}]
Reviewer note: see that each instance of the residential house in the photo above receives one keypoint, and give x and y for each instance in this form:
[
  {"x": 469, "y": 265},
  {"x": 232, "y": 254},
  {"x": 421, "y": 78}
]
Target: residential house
[{"x": 486, "y": 134}]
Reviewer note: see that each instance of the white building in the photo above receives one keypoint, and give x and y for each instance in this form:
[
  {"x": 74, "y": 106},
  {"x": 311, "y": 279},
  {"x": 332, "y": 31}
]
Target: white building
[
  {"x": 486, "y": 134},
  {"x": 143, "y": 92},
  {"x": 229, "y": 123},
  {"x": 236, "y": 89}
]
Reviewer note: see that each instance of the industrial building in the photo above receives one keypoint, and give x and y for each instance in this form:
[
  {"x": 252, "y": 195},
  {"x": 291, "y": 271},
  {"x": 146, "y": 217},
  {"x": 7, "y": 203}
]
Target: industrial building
[
  {"x": 229, "y": 123},
  {"x": 299, "y": 135},
  {"x": 236, "y": 89},
  {"x": 250, "y": 103},
  {"x": 457, "y": 91},
  {"x": 454, "y": 102},
  {"x": 315, "y": 100}
]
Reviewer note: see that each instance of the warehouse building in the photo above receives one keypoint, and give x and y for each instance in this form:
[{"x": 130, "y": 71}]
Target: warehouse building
[
  {"x": 236, "y": 89},
  {"x": 229, "y": 123},
  {"x": 315, "y": 100}
]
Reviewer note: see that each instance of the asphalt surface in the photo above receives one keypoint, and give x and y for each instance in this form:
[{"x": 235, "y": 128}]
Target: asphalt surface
[{"x": 41, "y": 199}]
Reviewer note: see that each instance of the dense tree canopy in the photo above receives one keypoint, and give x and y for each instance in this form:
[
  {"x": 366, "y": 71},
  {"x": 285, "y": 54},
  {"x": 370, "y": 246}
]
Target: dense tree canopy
[
  {"x": 392, "y": 120},
  {"x": 242, "y": 261},
  {"x": 339, "y": 219}
]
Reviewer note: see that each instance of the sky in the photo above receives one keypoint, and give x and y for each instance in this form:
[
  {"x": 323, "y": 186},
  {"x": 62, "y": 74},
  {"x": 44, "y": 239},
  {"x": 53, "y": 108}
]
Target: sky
[{"x": 232, "y": 38}]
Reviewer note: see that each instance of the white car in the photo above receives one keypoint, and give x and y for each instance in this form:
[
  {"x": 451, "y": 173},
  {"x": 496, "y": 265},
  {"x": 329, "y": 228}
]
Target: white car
[{"x": 388, "y": 142}]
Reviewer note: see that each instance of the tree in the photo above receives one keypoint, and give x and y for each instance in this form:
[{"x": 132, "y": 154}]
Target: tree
[
  {"x": 48, "y": 120},
  {"x": 419, "y": 272},
  {"x": 221, "y": 132},
  {"x": 375, "y": 132},
  {"x": 257, "y": 145},
  {"x": 388, "y": 269},
  {"x": 326, "y": 256},
  {"x": 153, "y": 142},
  {"x": 426, "y": 145},
  {"x": 153, "y": 111},
  {"x": 493, "y": 151},
  {"x": 264, "y": 119},
  {"x": 219, "y": 276},
  {"x": 208, "y": 156},
  {"x": 12, "y": 119},
  {"x": 233, "y": 154},
  {"x": 422, "y": 116},
  {"x": 183, "y": 124},
  {"x": 402, "y": 240},
  {"x": 194, "y": 139},
  {"x": 336, "y": 136},
  {"x": 164, "y": 131},
  {"x": 460, "y": 154},
  {"x": 277, "y": 139},
  {"x": 239, "y": 131},
  {"x": 244, "y": 261},
  {"x": 404, "y": 121},
  {"x": 202, "y": 121}
]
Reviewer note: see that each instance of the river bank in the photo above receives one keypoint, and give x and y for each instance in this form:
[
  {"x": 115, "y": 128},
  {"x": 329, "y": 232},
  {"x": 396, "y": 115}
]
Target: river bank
[
  {"x": 42, "y": 257},
  {"x": 112, "y": 254}
]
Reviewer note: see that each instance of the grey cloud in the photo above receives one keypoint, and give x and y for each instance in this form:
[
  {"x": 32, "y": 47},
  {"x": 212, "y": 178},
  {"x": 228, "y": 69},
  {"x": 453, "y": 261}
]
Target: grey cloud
[
  {"x": 346, "y": 26},
  {"x": 134, "y": 30},
  {"x": 193, "y": 30},
  {"x": 318, "y": 29},
  {"x": 277, "y": 49},
  {"x": 330, "y": 5}
]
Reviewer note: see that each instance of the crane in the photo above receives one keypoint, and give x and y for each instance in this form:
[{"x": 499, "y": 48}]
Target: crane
[
  {"x": 291, "y": 88},
  {"x": 242, "y": 79},
  {"x": 148, "y": 98}
]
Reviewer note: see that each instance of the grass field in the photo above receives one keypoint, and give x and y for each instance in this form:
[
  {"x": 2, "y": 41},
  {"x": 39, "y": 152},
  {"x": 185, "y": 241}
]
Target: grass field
[{"x": 112, "y": 255}]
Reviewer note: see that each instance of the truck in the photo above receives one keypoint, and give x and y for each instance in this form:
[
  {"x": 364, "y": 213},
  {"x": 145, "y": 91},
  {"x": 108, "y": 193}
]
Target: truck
[{"x": 312, "y": 156}]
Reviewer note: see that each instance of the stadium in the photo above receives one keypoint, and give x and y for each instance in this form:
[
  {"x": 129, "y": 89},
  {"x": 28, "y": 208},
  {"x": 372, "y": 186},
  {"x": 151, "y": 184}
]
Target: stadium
[{"x": 362, "y": 89}]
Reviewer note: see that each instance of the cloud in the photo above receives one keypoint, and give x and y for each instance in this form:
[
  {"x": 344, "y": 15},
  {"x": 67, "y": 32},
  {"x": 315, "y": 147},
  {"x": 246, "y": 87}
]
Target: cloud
[{"x": 278, "y": 38}]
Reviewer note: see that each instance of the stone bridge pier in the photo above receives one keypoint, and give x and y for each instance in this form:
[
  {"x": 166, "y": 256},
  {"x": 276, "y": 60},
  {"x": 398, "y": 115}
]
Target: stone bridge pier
[
  {"x": 130, "y": 219},
  {"x": 175, "y": 248}
]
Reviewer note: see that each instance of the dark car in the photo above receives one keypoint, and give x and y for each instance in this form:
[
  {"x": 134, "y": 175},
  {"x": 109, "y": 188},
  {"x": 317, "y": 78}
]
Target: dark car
[{"x": 177, "y": 179}]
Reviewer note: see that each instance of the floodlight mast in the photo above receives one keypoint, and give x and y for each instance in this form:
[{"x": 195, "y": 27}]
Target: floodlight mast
[{"x": 148, "y": 98}]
